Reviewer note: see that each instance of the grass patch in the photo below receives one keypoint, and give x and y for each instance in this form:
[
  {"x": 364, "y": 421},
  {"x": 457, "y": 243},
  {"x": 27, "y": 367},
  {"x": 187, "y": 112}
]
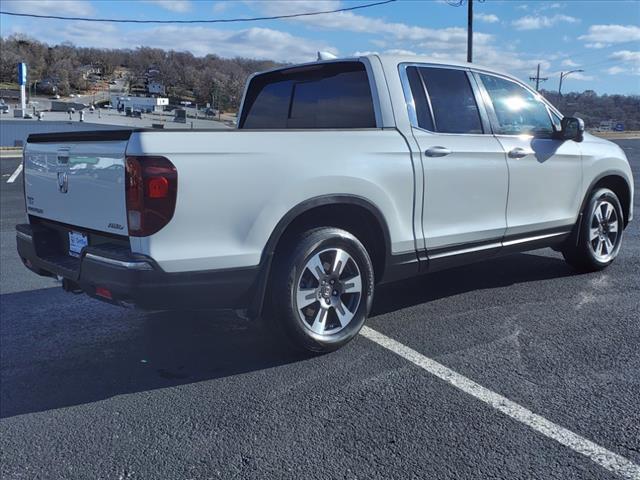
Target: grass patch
[{"x": 9, "y": 86}]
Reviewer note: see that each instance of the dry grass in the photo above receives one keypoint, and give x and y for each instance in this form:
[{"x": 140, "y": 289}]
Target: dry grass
[{"x": 618, "y": 135}]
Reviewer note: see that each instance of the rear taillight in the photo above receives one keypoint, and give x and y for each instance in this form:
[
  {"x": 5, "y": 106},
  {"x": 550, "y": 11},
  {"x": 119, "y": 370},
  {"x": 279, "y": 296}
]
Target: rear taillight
[{"x": 151, "y": 190}]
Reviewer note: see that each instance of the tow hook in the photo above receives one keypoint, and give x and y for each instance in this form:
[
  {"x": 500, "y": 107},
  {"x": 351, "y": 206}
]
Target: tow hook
[{"x": 71, "y": 286}]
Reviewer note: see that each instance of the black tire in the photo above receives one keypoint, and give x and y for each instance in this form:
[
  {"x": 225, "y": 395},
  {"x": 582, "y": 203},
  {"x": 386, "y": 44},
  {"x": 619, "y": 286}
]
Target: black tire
[
  {"x": 291, "y": 272},
  {"x": 582, "y": 255}
]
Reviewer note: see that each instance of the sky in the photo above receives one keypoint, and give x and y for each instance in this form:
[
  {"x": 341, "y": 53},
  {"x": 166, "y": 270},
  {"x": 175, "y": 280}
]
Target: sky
[{"x": 601, "y": 37}]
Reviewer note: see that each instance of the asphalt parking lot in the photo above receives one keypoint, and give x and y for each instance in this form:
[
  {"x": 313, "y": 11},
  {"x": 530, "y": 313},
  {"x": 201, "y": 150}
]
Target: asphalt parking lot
[{"x": 89, "y": 390}]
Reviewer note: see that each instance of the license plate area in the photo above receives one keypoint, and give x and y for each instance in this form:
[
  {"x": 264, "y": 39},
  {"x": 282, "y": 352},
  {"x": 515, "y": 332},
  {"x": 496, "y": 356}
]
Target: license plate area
[{"x": 77, "y": 241}]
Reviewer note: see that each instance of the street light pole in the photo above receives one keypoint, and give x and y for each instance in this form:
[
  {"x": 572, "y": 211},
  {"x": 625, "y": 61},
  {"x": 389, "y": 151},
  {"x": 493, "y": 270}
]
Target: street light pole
[{"x": 563, "y": 75}]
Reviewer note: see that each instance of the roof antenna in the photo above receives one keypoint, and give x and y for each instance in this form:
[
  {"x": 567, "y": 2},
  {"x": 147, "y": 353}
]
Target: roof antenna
[{"x": 326, "y": 56}]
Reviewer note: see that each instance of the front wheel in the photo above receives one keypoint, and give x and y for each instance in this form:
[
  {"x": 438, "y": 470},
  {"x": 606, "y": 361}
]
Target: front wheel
[
  {"x": 600, "y": 235},
  {"x": 322, "y": 289}
]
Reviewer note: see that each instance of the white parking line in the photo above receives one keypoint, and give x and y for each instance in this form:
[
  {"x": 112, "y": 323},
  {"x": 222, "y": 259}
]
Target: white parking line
[
  {"x": 15, "y": 174},
  {"x": 600, "y": 455}
]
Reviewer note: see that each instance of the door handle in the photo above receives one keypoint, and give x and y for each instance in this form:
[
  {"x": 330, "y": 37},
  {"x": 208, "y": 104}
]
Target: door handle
[
  {"x": 519, "y": 152},
  {"x": 437, "y": 152}
]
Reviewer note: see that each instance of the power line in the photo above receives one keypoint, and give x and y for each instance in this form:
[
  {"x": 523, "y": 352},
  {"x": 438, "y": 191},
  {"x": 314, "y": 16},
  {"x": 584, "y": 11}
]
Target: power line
[{"x": 220, "y": 20}]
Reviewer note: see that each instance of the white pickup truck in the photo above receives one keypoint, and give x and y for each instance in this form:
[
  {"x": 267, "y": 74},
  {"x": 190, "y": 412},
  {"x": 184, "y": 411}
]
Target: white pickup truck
[{"x": 341, "y": 175}]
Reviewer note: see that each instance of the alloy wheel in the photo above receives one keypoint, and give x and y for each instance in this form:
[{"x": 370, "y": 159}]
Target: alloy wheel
[
  {"x": 604, "y": 231},
  {"x": 328, "y": 291}
]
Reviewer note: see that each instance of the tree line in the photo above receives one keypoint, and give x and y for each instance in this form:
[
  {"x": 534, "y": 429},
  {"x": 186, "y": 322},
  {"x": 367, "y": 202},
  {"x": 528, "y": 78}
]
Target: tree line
[
  {"x": 203, "y": 78},
  {"x": 594, "y": 108},
  {"x": 184, "y": 75}
]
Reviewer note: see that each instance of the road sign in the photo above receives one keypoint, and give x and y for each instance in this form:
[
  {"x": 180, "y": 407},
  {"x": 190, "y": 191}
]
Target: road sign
[
  {"x": 22, "y": 81},
  {"x": 619, "y": 127},
  {"x": 22, "y": 74}
]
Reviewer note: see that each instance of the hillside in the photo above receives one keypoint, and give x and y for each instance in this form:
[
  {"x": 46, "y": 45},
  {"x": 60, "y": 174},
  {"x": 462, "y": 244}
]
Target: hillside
[{"x": 201, "y": 78}]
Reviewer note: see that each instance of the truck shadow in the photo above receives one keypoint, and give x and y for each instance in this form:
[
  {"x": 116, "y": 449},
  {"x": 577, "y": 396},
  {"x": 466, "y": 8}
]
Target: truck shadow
[
  {"x": 60, "y": 350},
  {"x": 495, "y": 273}
]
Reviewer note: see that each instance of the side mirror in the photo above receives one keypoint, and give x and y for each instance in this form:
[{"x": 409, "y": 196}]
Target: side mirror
[{"x": 572, "y": 129}]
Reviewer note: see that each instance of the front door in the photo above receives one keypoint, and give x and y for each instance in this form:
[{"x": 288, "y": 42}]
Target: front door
[{"x": 545, "y": 173}]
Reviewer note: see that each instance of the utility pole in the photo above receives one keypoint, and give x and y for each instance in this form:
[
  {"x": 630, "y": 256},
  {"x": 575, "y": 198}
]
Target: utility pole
[
  {"x": 469, "y": 31},
  {"x": 538, "y": 79},
  {"x": 459, "y": 3},
  {"x": 563, "y": 75}
]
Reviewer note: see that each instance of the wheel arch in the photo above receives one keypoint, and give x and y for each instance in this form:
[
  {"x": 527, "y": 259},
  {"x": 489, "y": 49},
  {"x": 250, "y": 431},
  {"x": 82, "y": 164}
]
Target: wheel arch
[
  {"x": 614, "y": 181},
  {"x": 366, "y": 219},
  {"x": 618, "y": 184}
]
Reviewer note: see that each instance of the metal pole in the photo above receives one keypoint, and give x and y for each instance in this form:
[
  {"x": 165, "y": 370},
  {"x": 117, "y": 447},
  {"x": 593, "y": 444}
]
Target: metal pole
[
  {"x": 470, "y": 31},
  {"x": 560, "y": 85},
  {"x": 538, "y": 79}
]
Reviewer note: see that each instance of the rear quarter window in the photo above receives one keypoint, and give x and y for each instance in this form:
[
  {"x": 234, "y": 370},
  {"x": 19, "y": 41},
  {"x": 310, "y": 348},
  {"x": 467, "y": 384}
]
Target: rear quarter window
[{"x": 332, "y": 95}]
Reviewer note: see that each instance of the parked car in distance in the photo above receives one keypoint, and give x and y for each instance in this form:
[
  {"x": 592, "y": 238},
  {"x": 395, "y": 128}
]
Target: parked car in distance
[
  {"x": 341, "y": 175},
  {"x": 4, "y": 108}
]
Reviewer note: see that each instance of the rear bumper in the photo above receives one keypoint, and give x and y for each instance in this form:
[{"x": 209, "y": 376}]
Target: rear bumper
[{"x": 133, "y": 279}]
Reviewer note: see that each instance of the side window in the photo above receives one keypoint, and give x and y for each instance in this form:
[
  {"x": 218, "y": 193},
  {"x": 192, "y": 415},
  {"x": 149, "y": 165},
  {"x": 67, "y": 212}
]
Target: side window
[
  {"x": 420, "y": 102},
  {"x": 517, "y": 110},
  {"x": 270, "y": 107},
  {"x": 452, "y": 100},
  {"x": 333, "y": 95},
  {"x": 342, "y": 100}
]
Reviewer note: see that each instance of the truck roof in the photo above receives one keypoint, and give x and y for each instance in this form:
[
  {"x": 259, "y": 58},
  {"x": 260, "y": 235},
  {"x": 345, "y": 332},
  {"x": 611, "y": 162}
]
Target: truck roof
[{"x": 390, "y": 61}]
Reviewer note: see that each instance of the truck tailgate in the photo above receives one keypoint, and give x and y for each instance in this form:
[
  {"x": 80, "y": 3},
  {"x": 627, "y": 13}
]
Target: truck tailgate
[{"x": 78, "y": 180}]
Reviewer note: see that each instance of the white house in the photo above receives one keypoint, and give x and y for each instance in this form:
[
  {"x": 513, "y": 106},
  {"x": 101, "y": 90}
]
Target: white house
[{"x": 145, "y": 104}]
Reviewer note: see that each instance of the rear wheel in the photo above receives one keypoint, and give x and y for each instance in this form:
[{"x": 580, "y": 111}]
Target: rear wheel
[
  {"x": 322, "y": 291},
  {"x": 600, "y": 234}
]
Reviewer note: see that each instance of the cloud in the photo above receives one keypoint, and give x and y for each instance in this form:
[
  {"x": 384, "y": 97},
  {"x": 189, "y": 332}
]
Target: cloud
[
  {"x": 38, "y": 7},
  {"x": 351, "y": 22},
  {"x": 486, "y": 17},
  {"x": 626, "y": 56},
  {"x": 443, "y": 44},
  {"x": 569, "y": 63},
  {"x": 219, "y": 7},
  {"x": 536, "y": 22},
  {"x": 256, "y": 43},
  {"x": 392, "y": 51},
  {"x": 176, "y": 6},
  {"x": 581, "y": 77},
  {"x": 399, "y": 51},
  {"x": 629, "y": 60},
  {"x": 601, "y": 36},
  {"x": 615, "y": 70}
]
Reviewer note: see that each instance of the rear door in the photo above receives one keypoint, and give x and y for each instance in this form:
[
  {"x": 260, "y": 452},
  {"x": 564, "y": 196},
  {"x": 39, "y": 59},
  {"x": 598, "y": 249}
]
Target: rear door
[
  {"x": 464, "y": 166},
  {"x": 545, "y": 173},
  {"x": 78, "y": 183}
]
